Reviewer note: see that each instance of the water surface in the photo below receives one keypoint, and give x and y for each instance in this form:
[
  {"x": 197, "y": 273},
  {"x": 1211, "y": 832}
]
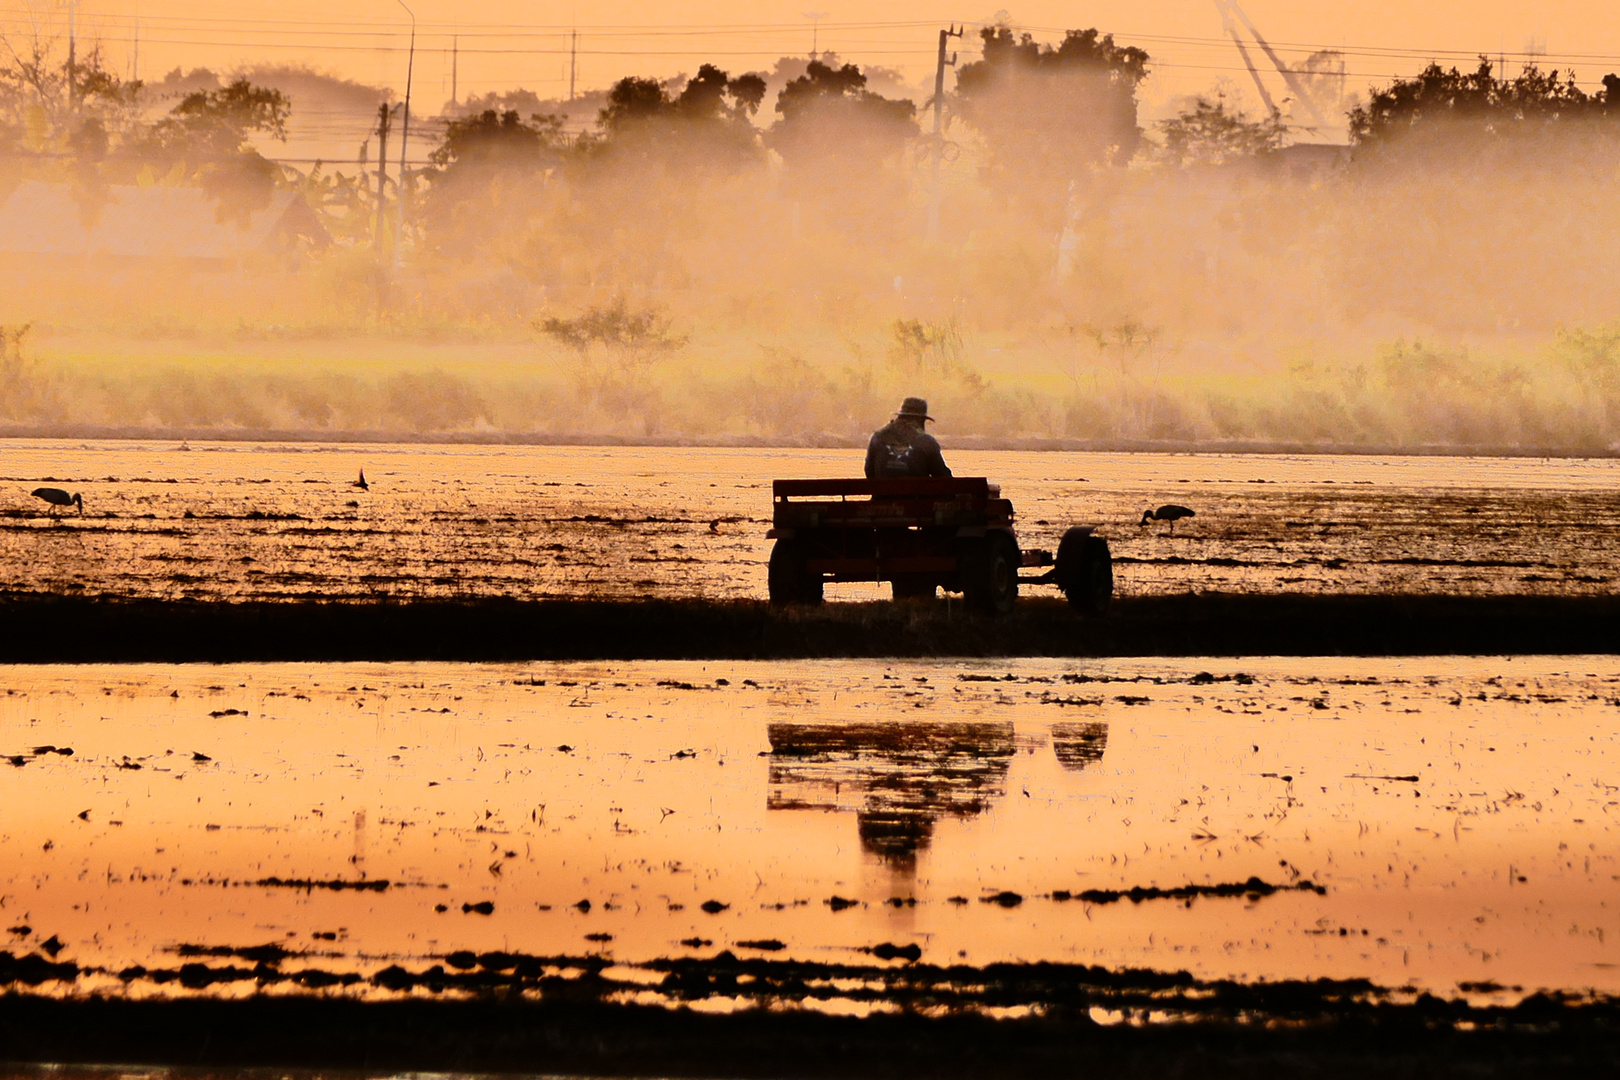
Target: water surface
[{"x": 1432, "y": 824}]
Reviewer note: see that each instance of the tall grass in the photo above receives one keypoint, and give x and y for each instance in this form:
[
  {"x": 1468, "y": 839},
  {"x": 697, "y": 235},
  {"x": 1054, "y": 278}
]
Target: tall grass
[{"x": 1563, "y": 395}]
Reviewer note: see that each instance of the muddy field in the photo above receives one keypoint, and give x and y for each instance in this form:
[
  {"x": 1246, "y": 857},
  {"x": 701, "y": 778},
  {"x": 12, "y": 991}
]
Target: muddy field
[
  {"x": 242, "y": 521},
  {"x": 875, "y": 832},
  {"x": 942, "y": 867}
]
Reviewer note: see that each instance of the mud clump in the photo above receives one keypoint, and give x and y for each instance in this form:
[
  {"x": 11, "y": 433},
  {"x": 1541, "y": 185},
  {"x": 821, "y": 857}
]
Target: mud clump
[
  {"x": 1253, "y": 888},
  {"x": 270, "y": 954},
  {"x": 34, "y": 970},
  {"x": 309, "y": 884},
  {"x": 887, "y": 951}
]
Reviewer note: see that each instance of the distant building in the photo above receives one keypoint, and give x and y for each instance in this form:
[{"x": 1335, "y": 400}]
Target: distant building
[{"x": 173, "y": 223}]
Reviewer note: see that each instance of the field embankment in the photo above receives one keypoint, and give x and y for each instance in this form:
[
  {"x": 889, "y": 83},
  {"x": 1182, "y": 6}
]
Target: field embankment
[
  {"x": 572, "y": 1033},
  {"x": 88, "y": 630}
]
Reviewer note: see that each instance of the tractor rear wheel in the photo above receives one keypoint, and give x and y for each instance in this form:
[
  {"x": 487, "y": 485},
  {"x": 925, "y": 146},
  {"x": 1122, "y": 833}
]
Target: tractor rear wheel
[
  {"x": 989, "y": 572},
  {"x": 788, "y": 580},
  {"x": 1085, "y": 571}
]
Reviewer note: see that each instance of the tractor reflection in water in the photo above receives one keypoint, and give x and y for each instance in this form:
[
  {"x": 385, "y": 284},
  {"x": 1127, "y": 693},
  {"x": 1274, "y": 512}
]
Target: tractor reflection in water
[
  {"x": 1079, "y": 745},
  {"x": 900, "y": 778}
]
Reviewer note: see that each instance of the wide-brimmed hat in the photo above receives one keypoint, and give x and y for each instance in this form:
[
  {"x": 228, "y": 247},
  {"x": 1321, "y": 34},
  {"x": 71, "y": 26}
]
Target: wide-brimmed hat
[{"x": 914, "y": 406}]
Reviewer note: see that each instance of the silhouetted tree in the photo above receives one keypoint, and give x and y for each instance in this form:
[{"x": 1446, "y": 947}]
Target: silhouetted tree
[
  {"x": 519, "y": 101},
  {"x": 829, "y": 118},
  {"x": 714, "y": 95},
  {"x": 220, "y": 121},
  {"x": 208, "y": 133},
  {"x": 713, "y": 112},
  {"x": 841, "y": 144},
  {"x": 1442, "y": 105},
  {"x": 1049, "y": 114},
  {"x": 1207, "y": 134},
  {"x": 62, "y": 121},
  {"x": 496, "y": 140},
  {"x": 634, "y": 100},
  {"x": 488, "y": 169}
]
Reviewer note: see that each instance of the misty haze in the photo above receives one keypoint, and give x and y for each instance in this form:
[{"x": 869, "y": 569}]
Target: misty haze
[
  {"x": 775, "y": 257},
  {"x": 837, "y": 545}
]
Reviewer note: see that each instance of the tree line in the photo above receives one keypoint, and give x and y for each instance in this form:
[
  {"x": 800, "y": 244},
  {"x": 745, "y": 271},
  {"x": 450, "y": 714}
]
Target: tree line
[{"x": 1043, "y": 116}]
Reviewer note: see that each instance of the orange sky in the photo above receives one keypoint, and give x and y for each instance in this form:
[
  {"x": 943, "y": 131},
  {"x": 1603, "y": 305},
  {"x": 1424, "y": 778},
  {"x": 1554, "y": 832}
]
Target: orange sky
[{"x": 506, "y": 43}]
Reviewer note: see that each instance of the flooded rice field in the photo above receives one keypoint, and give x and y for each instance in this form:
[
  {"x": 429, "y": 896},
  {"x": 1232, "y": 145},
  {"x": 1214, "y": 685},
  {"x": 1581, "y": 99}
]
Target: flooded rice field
[
  {"x": 1428, "y": 825},
  {"x": 244, "y": 521}
]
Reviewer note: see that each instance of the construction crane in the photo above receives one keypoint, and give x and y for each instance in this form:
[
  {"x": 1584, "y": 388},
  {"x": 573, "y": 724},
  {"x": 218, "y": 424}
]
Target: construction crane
[{"x": 1229, "y": 9}]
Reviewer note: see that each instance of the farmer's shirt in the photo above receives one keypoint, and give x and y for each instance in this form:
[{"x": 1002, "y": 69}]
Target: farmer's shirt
[{"x": 902, "y": 449}]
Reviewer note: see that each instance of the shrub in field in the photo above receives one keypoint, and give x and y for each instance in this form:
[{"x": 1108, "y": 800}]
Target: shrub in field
[
  {"x": 20, "y": 387},
  {"x": 617, "y": 348}
]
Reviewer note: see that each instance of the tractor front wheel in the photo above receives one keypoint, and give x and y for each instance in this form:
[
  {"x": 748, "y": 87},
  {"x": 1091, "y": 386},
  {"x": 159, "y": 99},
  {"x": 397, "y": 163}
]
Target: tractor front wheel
[{"x": 1085, "y": 571}]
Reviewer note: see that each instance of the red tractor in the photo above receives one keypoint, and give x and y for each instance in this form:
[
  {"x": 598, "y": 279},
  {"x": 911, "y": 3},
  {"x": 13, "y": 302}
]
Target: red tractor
[{"x": 922, "y": 534}]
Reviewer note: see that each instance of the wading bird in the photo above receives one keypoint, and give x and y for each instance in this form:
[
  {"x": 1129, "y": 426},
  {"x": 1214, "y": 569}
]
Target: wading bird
[
  {"x": 361, "y": 483},
  {"x": 58, "y": 497},
  {"x": 1169, "y": 512}
]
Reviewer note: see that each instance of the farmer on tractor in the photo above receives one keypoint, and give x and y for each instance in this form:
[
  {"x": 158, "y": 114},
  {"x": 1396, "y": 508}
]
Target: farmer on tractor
[{"x": 903, "y": 448}]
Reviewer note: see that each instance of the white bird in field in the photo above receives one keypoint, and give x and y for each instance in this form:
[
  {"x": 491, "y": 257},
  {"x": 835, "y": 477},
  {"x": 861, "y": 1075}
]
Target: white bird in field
[
  {"x": 1168, "y": 512},
  {"x": 58, "y": 497}
]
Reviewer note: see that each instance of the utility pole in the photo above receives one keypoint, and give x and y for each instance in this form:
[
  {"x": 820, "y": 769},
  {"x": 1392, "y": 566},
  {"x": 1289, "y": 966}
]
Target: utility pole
[
  {"x": 404, "y": 138},
  {"x": 135, "y": 63},
  {"x": 815, "y": 18},
  {"x": 384, "y": 114},
  {"x": 72, "y": 64},
  {"x": 573, "y": 60},
  {"x": 939, "y": 138},
  {"x": 455, "y": 65}
]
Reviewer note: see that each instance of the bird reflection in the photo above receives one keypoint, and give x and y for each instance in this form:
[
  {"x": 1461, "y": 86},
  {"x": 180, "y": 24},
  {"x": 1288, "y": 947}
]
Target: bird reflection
[
  {"x": 1079, "y": 744},
  {"x": 898, "y": 778}
]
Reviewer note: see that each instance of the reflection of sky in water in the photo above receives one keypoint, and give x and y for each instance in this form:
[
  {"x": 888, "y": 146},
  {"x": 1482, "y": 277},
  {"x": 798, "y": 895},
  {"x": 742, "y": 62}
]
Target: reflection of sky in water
[
  {"x": 1460, "y": 822},
  {"x": 240, "y": 520}
]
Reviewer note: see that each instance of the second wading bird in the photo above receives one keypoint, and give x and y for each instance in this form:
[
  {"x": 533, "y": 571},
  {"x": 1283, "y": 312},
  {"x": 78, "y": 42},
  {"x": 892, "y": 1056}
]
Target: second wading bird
[
  {"x": 1169, "y": 512},
  {"x": 58, "y": 497}
]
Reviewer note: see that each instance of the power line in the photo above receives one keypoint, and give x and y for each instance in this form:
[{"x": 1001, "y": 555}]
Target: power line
[
  {"x": 509, "y": 30},
  {"x": 386, "y": 44}
]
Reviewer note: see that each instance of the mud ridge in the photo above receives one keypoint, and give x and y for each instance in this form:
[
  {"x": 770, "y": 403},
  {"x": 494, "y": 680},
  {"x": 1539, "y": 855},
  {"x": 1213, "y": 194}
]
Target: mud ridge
[
  {"x": 1251, "y": 889},
  {"x": 582, "y": 1036},
  {"x": 72, "y": 629}
]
